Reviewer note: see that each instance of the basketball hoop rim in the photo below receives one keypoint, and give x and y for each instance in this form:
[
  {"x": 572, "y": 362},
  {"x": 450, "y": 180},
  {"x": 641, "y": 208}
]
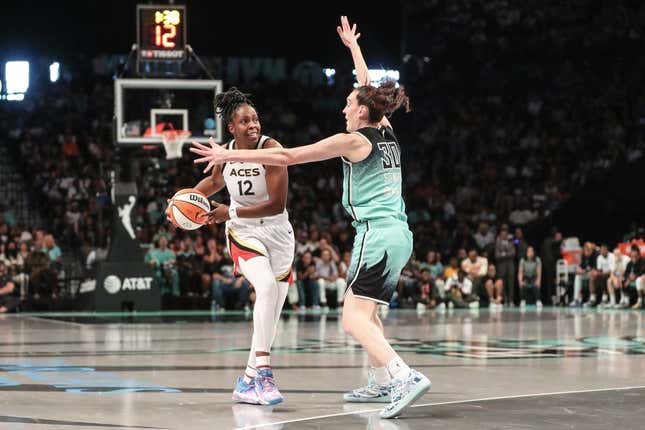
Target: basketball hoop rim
[{"x": 172, "y": 136}]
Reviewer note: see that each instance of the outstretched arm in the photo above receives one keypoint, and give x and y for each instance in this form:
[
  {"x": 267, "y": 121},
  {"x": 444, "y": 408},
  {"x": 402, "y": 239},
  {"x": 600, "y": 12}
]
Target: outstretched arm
[
  {"x": 349, "y": 37},
  {"x": 349, "y": 145}
]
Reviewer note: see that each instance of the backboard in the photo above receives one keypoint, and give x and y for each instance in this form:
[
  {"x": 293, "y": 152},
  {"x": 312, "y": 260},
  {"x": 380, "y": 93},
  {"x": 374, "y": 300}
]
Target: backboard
[{"x": 144, "y": 108}]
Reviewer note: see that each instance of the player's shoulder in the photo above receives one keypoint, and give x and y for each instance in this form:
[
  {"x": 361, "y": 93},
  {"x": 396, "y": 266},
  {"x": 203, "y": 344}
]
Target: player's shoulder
[{"x": 270, "y": 142}]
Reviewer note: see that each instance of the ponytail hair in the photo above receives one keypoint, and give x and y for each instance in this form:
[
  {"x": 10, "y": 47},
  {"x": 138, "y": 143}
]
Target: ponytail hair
[
  {"x": 382, "y": 100},
  {"x": 226, "y": 103}
]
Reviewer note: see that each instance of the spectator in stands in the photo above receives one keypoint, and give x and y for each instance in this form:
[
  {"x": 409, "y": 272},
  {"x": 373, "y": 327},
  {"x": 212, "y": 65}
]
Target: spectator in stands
[
  {"x": 484, "y": 237},
  {"x": 529, "y": 277},
  {"x": 212, "y": 264},
  {"x": 307, "y": 281},
  {"x": 43, "y": 283},
  {"x": 429, "y": 290},
  {"x": 163, "y": 260},
  {"x": 475, "y": 267},
  {"x": 617, "y": 276},
  {"x": 343, "y": 266},
  {"x": 451, "y": 270},
  {"x": 505, "y": 262},
  {"x": 409, "y": 290},
  {"x": 520, "y": 244},
  {"x": 550, "y": 254},
  {"x": 459, "y": 291},
  {"x": 634, "y": 270},
  {"x": 189, "y": 268},
  {"x": 494, "y": 287},
  {"x": 433, "y": 264},
  {"x": 583, "y": 272},
  {"x": 9, "y": 294},
  {"x": 605, "y": 262},
  {"x": 50, "y": 248},
  {"x": 230, "y": 292},
  {"x": 331, "y": 286}
]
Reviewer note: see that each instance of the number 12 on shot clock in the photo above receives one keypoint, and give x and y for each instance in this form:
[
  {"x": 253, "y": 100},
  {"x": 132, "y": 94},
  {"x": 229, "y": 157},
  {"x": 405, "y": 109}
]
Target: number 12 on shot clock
[{"x": 161, "y": 32}]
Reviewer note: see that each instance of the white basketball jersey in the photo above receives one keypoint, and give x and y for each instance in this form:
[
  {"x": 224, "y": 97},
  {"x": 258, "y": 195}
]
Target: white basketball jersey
[{"x": 247, "y": 186}]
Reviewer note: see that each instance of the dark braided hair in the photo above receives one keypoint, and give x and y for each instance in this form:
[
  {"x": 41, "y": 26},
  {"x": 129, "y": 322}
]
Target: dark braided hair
[
  {"x": 382, "y": 100},
  {"x": 226, "y": 103}
]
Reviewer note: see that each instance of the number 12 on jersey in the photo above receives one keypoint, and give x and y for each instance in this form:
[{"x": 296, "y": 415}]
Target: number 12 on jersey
[{"x": 245, "y": 188}]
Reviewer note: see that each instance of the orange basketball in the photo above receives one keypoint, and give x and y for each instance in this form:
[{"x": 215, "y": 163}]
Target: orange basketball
[{"x": 188, "y": 206}]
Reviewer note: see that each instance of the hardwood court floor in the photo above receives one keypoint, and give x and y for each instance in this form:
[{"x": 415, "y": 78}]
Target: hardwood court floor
[{"x": 548, "y": 369}]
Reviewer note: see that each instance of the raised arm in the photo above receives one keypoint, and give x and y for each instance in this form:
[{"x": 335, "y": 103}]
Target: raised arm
[{"x": 349, "y": 37}]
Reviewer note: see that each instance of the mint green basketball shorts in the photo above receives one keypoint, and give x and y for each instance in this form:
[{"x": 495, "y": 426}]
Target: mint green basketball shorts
[{"x": 381, "y": 249}]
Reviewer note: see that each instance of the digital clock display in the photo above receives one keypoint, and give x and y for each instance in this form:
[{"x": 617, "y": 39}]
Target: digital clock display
[{"x": 161, "y": 32}]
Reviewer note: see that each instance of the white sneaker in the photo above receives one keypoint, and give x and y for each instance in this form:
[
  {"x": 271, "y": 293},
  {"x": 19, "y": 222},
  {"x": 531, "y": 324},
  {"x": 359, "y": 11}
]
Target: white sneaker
[
  {"x": 405, "y": 392},
  {"x": 538, "y": 303},
  {"x": 371, "y": 393},
  {"x": 523, "y": 304}
]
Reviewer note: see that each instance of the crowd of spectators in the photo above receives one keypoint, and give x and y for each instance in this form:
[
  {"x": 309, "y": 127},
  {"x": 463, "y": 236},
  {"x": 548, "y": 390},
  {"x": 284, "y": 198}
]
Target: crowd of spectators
[
  {"x": 512, "y": 113},
  {"x": 29, "y": 267}
]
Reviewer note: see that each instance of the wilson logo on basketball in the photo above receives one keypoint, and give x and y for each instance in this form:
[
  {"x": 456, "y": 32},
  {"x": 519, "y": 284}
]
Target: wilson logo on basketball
[{"x": 196, "y": 198}]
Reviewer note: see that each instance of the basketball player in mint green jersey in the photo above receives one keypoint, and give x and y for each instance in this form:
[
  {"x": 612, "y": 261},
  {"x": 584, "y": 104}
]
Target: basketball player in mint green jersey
[{"x": 372, "y": 196}]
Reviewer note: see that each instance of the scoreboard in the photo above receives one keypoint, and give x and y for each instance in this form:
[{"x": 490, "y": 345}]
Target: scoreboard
[{"x": 161, "y": 32}]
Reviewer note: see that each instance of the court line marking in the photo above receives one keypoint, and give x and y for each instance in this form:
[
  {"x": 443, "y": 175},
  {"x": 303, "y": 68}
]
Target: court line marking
[
  {"x": 42, "y": 319},
  {"x": 454, "y": 402}
]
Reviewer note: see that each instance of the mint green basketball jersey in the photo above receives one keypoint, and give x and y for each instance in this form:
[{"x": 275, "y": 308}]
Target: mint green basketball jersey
[{"x": 372, "y": 187}]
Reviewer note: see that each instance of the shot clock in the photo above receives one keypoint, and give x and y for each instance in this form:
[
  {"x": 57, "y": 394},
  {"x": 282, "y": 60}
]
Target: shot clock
[{"x": 161, "y": 32}]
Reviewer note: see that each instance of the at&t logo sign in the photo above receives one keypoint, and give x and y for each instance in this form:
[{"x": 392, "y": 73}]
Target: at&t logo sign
[{"x": 113, "y": 284}]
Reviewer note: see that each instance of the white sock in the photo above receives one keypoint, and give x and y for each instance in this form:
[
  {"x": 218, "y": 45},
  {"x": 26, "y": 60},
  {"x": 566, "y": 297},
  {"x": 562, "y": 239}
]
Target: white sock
[
  {"x": 249, "y": 374},
  {"x": 612, "y": 298},
  {"x": 604, "y": 298},
  {"x": 592, "y": 297},
  {"x": 381, "y": 375},
  {"x": 398, "y": 369},
  {"x": 263, "y": 361}
]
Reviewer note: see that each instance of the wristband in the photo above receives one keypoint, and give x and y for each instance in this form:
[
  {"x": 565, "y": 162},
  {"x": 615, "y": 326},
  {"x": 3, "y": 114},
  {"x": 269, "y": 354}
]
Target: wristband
[{"x": 232, "y": 213}]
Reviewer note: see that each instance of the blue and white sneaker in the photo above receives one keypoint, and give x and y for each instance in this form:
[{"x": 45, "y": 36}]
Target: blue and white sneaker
[
  {"x": 246, "y": 393},
  {"x": 405, "y": 392},
  {"x": 371, "y": 393},
  {"x": 266, "y": 388}
]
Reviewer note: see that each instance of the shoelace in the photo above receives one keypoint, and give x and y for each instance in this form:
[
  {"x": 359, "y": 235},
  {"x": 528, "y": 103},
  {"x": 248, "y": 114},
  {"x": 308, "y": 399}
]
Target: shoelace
[
  {"x": 265, "y": 382},
  {"x": 397, "y": 391}
]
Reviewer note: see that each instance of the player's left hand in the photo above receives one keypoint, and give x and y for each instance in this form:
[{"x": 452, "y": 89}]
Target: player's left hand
[
  {"x": 218, "y": 214},
  {"x": 211, "y": 154},
  {"x": 347, "y": 34}
]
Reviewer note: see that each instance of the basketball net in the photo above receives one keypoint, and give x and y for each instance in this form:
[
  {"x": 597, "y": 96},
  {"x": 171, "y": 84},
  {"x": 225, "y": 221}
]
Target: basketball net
[{"x": 173, "y": 142}]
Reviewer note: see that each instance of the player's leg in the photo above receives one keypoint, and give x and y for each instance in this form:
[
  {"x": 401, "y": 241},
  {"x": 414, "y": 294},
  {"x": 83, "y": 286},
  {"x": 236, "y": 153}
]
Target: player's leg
[
  {"x": 379, "y": 256},
  {"x": 259, "y": 273},
  {"x": 379, "y": 380},
  {"x": 250, "y": 257}
]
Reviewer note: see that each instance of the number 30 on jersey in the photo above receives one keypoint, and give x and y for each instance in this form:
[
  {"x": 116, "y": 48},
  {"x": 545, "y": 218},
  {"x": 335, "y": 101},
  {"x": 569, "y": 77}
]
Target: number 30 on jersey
[{"x": 391, "y": 156}]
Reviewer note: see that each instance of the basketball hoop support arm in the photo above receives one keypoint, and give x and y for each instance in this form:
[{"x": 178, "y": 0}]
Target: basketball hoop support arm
[{"x": 194, "y": 55}]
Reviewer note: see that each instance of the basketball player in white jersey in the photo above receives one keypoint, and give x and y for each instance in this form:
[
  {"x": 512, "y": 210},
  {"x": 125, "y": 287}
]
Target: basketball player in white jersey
[{"x": 259, "y": 237}]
